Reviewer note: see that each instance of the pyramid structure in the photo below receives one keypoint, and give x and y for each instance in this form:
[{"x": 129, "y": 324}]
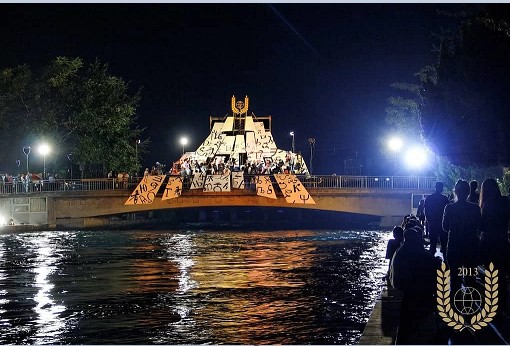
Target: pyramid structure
[{"x": 245, "y": 139}]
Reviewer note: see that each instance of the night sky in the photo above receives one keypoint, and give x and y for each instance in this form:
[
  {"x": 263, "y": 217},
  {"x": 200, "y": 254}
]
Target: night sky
[{"x": 320, "y": 70}]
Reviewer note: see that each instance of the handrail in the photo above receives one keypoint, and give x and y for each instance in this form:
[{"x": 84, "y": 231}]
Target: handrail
[{"x": 316, "y": 181}]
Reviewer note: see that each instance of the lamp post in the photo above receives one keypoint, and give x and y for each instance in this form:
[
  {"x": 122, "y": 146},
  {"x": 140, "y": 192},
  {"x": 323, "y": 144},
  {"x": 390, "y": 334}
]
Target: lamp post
[
  {"x": 311, "y": 141},
  {"x": 395, "y": 144},
  {"x": 44, "y": 149},
  {"x": 69, "y": 157},
  {"x": 26, "y": 151},
  {"x": 184, "y": 141},
  {"x": 136, "y": 155},
  {"x": 292, "y": 155}
]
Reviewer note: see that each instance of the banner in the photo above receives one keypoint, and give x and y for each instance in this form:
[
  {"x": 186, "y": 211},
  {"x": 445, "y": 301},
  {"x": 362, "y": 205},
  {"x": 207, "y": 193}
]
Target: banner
[
  {"x": 264, "y": 186},
  {"x": 217, "y": 183},
  {"x": 211, "y": 144},
  {"x": 173, "y": 188},
  {"x": 198, "y": 181},
  {"x": 240, "y": 145},
  {"x": 238, "y": 180},
  {"x": 226, "y": 146},
  {"x": 146, "y": 190},
  {"x": 292, "y": 189}
]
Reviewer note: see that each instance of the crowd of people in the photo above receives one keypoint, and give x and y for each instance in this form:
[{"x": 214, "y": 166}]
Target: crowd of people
[
  {"x": 225, "y": 165},
  {"x": 472, "y": 230}
]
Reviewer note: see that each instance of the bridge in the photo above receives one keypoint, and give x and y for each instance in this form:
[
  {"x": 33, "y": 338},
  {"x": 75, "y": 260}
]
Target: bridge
[{"x": 97, "y": 202}]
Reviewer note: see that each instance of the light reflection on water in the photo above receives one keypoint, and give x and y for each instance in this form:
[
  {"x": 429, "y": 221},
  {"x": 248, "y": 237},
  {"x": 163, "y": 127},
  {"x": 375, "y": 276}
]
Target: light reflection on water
[{"x": 188, "y": 287}]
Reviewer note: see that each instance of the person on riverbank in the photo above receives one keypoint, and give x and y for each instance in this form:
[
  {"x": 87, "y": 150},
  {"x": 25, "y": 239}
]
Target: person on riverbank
[
  {"x": 434, "y": 208},
  {"x": 420, "y": 212},
  {"x": 495, "y": 218},
  {"x": 393, "y": 245},
  {"x": 413, "y": 271},
  {"x": 462, "y": 220}
]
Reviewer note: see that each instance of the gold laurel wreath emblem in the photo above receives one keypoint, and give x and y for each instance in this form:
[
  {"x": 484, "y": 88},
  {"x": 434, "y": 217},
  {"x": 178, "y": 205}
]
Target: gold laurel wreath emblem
[
  {"x": 455, "y": 320},
  {"x": 242, "y": 110}
]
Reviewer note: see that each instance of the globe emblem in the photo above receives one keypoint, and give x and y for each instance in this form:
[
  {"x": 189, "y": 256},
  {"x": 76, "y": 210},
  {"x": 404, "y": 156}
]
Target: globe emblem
[{"x": 467, "y": 300}]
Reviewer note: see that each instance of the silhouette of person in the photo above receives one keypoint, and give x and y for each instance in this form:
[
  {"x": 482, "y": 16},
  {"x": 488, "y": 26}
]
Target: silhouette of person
[
  {"x": 394, "y": 244},
  {"x": 420, "y": 212},
  {"x": 495, "y": 210},
  {"x": 434, "y": 208},
  {"x": 462, "y": 220},
  {"x": 474, "y": 196},
  {"x": 413, "y": 271}
]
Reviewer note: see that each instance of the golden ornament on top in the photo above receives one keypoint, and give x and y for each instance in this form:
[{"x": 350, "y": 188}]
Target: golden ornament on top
[{"x": 240, "y": 107}]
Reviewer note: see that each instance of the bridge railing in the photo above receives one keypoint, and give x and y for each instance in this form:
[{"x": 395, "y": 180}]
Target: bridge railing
[
  {"x": 317, "y": 181},
  {"x": 367, "y": 182}
]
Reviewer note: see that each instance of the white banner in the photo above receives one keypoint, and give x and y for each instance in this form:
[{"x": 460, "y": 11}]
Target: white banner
[
  {"x": 264, "y": 186},
  {"x": 198, "y": 181},
  {"x": 211, "y": 144},
  {"x": 238, "y": 180},
  {"x": 293, "y": 190},
  {"x": 217, "y": 183},
  {"x": 226, "y": 146}
]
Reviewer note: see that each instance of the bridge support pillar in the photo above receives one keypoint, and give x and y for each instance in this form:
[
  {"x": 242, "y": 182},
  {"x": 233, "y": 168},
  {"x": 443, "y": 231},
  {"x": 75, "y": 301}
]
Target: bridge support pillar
[
  {"x": 266, "y": 216},
  {"x": 202, "y": 216}
]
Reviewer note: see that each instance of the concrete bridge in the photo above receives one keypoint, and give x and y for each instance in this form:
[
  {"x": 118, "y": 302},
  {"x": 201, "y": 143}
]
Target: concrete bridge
[{"x": 97, "y": 202}]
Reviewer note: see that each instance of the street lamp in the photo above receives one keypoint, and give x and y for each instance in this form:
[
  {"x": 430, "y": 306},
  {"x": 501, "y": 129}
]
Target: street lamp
[
  {"x": 292, "y": 155},
  {"x": 69, "y": 157},
  {"x": 136, "y": 155},
  {"x": 26, "y": 151},
  {"x": 44, "y": 150},
  {"x": 184, "y": 141},
  {"x": 416, "y": 157}
]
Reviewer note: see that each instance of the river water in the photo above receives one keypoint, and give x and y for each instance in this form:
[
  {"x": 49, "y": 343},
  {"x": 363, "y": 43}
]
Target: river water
[{"x": 189, "y": 287}]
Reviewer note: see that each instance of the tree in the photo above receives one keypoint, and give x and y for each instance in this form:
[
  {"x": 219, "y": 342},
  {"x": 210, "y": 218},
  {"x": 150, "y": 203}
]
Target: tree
[
  {"x": 458, "y": 106},
  {"x": 465, "y": 111},
  {"x": 78, "y": 107}
]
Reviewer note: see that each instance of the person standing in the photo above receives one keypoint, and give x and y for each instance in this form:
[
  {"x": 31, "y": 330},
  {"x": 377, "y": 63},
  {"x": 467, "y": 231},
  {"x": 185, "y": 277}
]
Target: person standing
[
  {"x": 393, "y": 245},
  {"x": 434, "y": 208},
  {"x": 474, "y": 196},
  {"x": 413, "y": 271},
  {"x": 462, "y": 220},
  {"x": 420, "y": 213},
  {"x": 494, "y": 236}
]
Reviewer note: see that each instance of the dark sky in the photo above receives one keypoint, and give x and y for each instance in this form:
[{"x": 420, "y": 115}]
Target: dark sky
[{"x": 321, "y": 70}]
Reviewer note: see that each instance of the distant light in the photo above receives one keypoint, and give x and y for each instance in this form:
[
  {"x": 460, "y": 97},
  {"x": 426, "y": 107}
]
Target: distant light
[
  {"x": 387, "y": 179},
  {"x": 184, "y": 140},
  {"x": 395, "y": 143},
  {"x": 44, "y": 149},
  {"x": 376, "y": 179},
  {"x": 292, "y": 133},
  {"x": 416, "y": 157}
]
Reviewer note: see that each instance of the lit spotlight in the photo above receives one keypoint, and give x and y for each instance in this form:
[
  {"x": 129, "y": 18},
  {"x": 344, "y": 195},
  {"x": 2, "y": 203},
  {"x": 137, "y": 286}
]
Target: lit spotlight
[
  {"x": 395, "y": 144},
  {"x": 416, "y": 157}
]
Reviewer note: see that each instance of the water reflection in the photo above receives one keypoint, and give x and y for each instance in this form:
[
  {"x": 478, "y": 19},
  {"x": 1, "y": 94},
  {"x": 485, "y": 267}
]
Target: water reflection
[
  {"x": 189, "y": 287},
  {"x": 49, "y": 323}
]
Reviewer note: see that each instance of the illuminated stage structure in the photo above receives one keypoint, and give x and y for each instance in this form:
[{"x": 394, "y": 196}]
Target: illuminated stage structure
[
  {"x": 235, "y": 141},
  {"x": 245, "y": 139}
]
